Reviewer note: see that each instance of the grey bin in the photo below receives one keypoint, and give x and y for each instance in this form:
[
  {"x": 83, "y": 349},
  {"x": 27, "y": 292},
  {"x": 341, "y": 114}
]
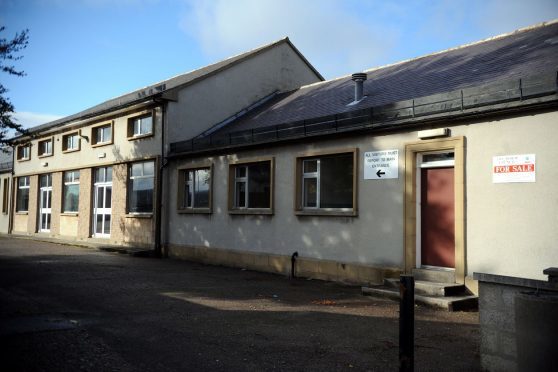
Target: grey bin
[{"x": 536, "y": 321}]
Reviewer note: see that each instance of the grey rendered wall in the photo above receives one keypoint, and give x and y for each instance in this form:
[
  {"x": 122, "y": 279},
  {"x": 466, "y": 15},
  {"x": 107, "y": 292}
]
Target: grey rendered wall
[
  {"x": 222, "y": 95},
  {"x": 510, "y": 228}
]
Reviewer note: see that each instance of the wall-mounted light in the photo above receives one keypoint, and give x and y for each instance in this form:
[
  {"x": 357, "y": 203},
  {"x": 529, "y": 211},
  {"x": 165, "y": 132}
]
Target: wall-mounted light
[
  {"x": 102, "y": 155},
  {"x": 431, "y": 133},
  {"x": 44, "y": 164}
]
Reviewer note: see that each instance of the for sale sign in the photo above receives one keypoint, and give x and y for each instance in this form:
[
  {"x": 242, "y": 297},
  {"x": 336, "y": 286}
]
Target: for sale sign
[{"x": 513, "y": 168}]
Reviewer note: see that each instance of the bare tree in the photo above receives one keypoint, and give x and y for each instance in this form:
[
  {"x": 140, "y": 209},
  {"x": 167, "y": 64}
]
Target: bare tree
[{"x": 9, "y": 50}]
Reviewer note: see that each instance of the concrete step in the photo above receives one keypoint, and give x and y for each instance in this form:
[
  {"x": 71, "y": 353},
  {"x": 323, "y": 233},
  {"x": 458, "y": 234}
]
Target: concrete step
[
  {"x": 430, "y": 288},
  {"x": 449, "y": 303},
  {"x": 434, "y": 275}
]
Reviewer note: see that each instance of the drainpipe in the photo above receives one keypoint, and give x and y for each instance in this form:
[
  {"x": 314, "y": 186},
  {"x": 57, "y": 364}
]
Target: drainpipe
[
  {"x": 293, "y": 264},
  {"x": 159, "y": 196},
  {"x": 11, "y": 201}
]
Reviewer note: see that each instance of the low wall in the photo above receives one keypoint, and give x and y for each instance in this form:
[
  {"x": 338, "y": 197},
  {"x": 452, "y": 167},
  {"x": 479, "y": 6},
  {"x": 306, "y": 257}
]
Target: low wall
[
  {"x": 351, "y": 273},
  {"x": 497, "y": 313}
]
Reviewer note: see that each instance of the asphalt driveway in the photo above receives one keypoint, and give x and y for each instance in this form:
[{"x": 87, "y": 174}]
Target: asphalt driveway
[{"x": 65, "y": 308}]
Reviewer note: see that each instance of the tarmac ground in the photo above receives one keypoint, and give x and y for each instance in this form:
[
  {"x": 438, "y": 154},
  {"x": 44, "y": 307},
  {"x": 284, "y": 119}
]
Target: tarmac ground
[{"x": 69, "y": 308}]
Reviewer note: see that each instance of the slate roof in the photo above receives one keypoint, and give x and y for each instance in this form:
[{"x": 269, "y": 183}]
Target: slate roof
[
  {"x": 182, "y": 80},
  {"x": 525, "y": 52}
]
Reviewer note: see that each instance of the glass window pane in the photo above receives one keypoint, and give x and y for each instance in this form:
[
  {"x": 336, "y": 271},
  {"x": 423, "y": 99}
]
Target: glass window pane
[
  {"x": 108, "y": 197},
  {"x": 240, "y": 172},
  {"x": 148, "y": 168},
  {"x": 108, "y": 177},
  {"x": 99, "y": 224},
  {"x": 106, "y": 229},
  {"x": 141, "y": 195},
  {"x": 71, "y": 198},
  {"x": 137, "y": 169},
  {"x": 240, "y": 194},
  {"x": 310, "y": 192},
  {"x": 202, "y": 188},
  {"x": 99, "y": 175},
  {"x": 188, "y": 195},
  {"x": 146, "y": 125},
  {"x": 100, "y": 197},
  {"x": 310, "y": 166},
  {"x": 336, "y": 181},
  {"x": 259, "y": 185}
]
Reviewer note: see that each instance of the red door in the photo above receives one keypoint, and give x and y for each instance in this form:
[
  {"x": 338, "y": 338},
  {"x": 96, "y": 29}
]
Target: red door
[{"x": 437, "y": 217}]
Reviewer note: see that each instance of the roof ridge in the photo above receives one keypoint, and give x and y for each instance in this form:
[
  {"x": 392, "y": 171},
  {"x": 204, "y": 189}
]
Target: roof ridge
[
  {"x": 245, "y": 53},
  {"x": 462, "y": 46}
]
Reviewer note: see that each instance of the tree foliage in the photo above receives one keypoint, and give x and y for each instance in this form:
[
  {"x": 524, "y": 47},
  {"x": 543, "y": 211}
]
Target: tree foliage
[{"x": 9, "y": 54}]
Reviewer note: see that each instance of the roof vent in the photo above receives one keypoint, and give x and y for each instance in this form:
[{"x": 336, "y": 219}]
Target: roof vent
[{"x": 359, "y": 79}]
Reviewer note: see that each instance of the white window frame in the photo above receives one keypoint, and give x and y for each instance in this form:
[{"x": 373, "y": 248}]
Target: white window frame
[
  {"x": 311, "y": 175},
  {"x": 235, "y": 181},
  {"x": 26, "y": 185},
  {"x": 136, "y": 122},
  {"x": 301, "y": 207},
  {"x": 191, "y": 183},
  {"x": 143, "y": 176},
  {"x": 45, "y": 147},
  {"x": 25, "y": 151},
  {"x": 71, "y": 142}
]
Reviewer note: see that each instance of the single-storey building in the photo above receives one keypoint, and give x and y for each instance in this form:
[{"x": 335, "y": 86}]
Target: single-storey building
[{"x": 444, "y": 162}]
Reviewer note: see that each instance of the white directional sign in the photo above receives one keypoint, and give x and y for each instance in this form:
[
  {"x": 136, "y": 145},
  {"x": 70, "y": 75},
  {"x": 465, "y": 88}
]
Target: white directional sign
[{"x": 381, "y": 165}]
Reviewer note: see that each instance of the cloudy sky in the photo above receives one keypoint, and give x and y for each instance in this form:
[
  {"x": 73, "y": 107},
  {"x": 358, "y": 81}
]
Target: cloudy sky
[{"x": 83, "y": 52}]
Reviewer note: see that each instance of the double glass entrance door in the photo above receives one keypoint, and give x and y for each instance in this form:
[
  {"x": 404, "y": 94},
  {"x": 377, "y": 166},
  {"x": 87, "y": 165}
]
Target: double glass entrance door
[{"x": 103, "y": 202}]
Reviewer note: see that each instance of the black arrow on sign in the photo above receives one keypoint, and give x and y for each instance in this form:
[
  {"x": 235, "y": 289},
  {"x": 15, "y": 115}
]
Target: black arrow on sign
[{"x": 379, "y": 173}]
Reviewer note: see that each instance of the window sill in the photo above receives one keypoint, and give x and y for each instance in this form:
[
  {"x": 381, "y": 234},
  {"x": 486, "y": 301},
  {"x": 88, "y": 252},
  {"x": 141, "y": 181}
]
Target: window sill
[
  {"x": 139, "y": 215},
  {"x": 141, "y": 136},
  {"x": 100, "y": 144},
  {"x": 195, "y": 211},
  {"x": 70, "y": 150},
  {"x": 22, "y": 212},
  {"x": 24, "y": 159},
  {"x": 70, "y": 214},
  {"x": 266, "y": 211},
  {"x": 44, "y": 156},
  {"x": 326, "y": 212}
]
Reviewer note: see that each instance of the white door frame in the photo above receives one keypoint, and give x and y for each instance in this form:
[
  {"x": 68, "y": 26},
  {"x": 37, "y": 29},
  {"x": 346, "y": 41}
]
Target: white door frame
[
  {"x": 45, "y": 198},
  {"x": 103, "y": 210}
]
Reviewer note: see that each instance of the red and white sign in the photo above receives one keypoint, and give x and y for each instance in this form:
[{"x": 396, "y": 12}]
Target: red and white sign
[{"x": 513, "y": 168}]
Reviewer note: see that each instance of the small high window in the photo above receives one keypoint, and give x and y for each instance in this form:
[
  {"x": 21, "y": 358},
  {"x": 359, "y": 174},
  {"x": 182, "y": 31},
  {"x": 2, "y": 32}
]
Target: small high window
[
  {"x": 327, "y": 183},
  {"x": 71, "y": 142},
  {"x": 102, "y": 135},
  {"x": 140, "y": 126},
  {"x": 22, "y": 202},
  {"x": 71, "y": 192},
  {"x": 195, "y": 191},
  {"x": 251, "y": 187},
  {"x": 24, "y": 152},
  {"x": 45, "y": 147},
  {"x": 140, "y": 187}
]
